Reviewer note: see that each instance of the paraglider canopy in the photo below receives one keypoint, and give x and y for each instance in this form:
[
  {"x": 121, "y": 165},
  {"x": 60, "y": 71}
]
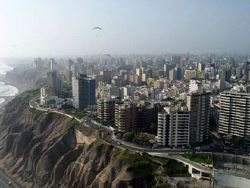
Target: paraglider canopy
[{"x": 97, "y": 28}]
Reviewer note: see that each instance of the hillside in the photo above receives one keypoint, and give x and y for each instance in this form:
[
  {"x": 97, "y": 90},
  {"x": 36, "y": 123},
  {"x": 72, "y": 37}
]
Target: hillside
[{"x": 50, "y": 150}]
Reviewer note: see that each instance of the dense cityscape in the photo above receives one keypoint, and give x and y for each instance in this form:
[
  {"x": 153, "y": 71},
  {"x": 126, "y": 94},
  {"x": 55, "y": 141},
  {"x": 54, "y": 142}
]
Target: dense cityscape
[
  {"x": 189, "y": 111},
  {"x": 124, "y": 94},
  {"x": 176, "y": 101}
]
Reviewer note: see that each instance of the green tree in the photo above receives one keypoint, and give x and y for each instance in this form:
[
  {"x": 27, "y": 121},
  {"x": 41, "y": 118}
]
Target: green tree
[{"x": 129, "y": 136}]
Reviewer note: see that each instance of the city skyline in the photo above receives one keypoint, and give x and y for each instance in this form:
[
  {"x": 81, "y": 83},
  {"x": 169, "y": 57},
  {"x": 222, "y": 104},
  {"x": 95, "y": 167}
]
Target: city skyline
[
  {"x": 112, "y": 93},
  {"x": 63, "y": 28}
]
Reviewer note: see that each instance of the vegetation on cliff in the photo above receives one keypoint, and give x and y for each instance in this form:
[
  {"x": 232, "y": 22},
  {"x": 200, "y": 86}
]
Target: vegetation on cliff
[{"x": 205, "y": 158}]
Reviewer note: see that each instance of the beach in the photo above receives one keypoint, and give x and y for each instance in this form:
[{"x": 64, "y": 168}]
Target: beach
[{"x": 7, "y": 91}]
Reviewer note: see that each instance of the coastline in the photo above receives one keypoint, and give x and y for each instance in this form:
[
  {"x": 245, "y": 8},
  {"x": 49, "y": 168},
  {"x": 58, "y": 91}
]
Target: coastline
[
  {"x": 7, "y": 99},
  {"x": 22, "y": 78}
]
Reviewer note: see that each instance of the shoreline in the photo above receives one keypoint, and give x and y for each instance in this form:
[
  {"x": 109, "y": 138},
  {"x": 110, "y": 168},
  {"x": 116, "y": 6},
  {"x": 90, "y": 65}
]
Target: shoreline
[
  {"x": 20, "y": 87},
  {"x": 7, "y": 99},
  {"x": 21, "y": 79}
]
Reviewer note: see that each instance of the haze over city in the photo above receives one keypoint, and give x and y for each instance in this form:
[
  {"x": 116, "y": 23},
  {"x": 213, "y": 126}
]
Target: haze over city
[
  {"x": 124, "y": 94},
  {"x": 65, "y": 28}
]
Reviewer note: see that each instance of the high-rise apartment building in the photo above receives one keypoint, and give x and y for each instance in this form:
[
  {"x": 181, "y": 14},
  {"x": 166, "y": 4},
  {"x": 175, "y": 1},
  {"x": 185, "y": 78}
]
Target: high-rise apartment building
[
  {"x": 198, "y": 103},
  {"x": 179, "y": 73},
  {"x": 222, "y": 79},
  {"x": 190, "y": 74},
  {"x": 146, "y": 115},
  {"x": 247, "y": 71},
  {"x": 69, "y": 70},
  {"x": 83, "y": 91},
  {"x": 234, "y": 116},
  {"x": 173, "y": 127},
  {"x": 125, "y": 116},
  {"x": 172, "y": 74},
  {"x": 106, "y": 110},
  {"x": 166, "y": 69},
  {"x": 54, "y": 82},
  {"x": 53, "y": 66},
  {"x": 106, "y": 76},
  {"x": 200, "y": 67},
  {"x": 163, "y": 129},
  {"x": 38, "y": 64}
]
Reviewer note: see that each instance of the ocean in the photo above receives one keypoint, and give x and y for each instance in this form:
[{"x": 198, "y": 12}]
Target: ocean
[{"x": 6, "y": 90}]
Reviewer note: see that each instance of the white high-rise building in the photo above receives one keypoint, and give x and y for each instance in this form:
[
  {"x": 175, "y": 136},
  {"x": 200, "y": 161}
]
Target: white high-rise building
[
  {"x": 173, "y": 127},
  {"x": 106, "y": 110},
  {"x": 235, "y": 113}
]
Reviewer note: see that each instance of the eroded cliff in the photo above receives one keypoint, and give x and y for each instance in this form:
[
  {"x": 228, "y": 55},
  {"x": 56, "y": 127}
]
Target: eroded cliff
[{"x": 41, "y": 149}]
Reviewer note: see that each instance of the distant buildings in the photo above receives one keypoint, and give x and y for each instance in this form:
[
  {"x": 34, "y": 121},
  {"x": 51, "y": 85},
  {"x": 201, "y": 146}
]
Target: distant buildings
[
  {"x": 145, "y": 81},
  {"x": 172, "y": 74},
  {"x": 179, "y": 73},
  {"x": 46, "y": 92},
  {"x": 234, "y": 116},
  {"x": 222, "y": 79},
  {"x": 53, "y": 65},
  {"x": 176, "y": 59},
  {"x": 54, "y": 82},
  {"x": 190, "y": 74},
  {"x": 166, "y": 69},
  {"x": 83, "y": 91},
  {"x": 69, "y": 72},
  {"x": 38, "y": 64},
  {"x": 105, "y": 76},
  {"x": 247, "y": 71}
]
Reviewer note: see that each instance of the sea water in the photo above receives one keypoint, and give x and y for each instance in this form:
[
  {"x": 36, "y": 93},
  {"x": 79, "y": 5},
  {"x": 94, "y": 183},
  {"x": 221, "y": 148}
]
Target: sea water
[{"x": 6, "y": 90}]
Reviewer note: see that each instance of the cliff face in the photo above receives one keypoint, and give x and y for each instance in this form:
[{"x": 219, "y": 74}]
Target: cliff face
[
  {"x": 50, "y": 150},
  {"x": 24, "y": 77}
]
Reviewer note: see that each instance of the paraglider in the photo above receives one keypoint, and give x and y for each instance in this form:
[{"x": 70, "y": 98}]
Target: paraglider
[{"x": 97, "y": 28}]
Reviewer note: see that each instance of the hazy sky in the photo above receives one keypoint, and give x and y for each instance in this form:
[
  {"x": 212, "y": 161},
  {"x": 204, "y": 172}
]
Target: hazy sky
[{"x": 64, "y": 27}]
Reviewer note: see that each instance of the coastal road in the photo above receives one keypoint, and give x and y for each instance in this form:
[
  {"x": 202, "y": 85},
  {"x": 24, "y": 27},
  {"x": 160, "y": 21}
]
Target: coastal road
[
  {"x": 4, "y": 181},
  {"x": 108, "y": 134},
  {"x": 111, "y": 138}
]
